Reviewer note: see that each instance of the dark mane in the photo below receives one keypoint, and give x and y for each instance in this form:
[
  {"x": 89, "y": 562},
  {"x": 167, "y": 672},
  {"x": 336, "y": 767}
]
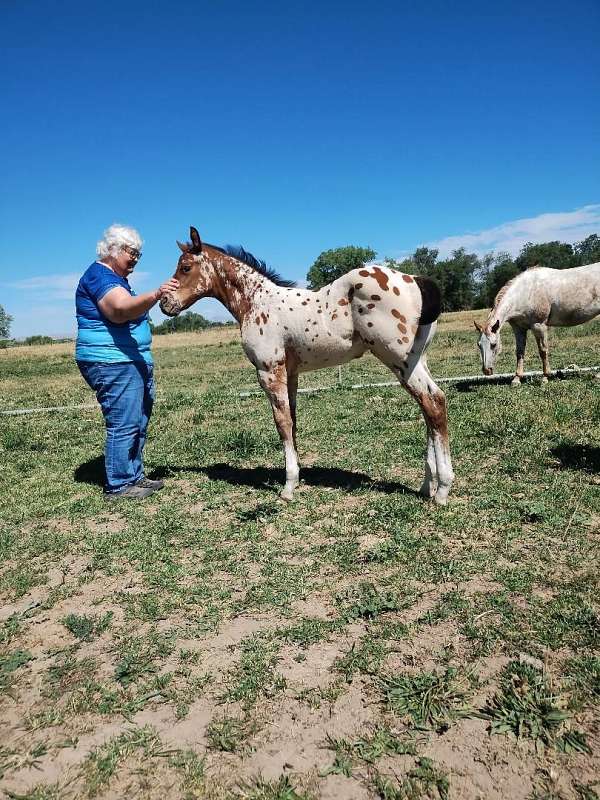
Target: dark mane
[{"x": 238, "y": 252}]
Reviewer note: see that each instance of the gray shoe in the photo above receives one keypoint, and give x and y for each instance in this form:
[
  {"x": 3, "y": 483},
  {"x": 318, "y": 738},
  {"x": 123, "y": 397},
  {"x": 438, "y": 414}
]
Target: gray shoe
[
  {"x": 148, "y": 483},
  {"x": 130, "y": 493}
]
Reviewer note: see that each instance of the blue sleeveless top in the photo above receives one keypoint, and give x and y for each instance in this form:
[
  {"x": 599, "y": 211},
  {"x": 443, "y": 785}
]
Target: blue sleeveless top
[{"x": 99, "y": 339}]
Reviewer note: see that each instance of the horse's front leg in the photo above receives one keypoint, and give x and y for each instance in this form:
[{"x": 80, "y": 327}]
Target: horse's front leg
[
  {"x": 292, "y": 386},
  {"x": 540, "y": 331},
  {"x": 521, "y": 343},
  {"x": 275, "y": 384}
]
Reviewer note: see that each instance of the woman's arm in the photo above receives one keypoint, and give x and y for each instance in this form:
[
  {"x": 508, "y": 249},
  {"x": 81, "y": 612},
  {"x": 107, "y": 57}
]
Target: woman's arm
[{"x": 119, "y": 306}]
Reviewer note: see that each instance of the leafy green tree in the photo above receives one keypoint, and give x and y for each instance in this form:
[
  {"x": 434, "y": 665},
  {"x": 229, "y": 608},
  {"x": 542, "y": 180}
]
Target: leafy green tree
[
  {"x": 556, "y": 255},
  {"x": 332, "y": 264},
  {"x": 456, "y": 278},
  {"x": 424, "y": 260},
  {"x": 185, "y": 322},
  {"x": 5, "y": 320},
  {"x": 38, "y": 339},
  {"x": 588, "y": 251},
  {"x": 496, "y": 272}
]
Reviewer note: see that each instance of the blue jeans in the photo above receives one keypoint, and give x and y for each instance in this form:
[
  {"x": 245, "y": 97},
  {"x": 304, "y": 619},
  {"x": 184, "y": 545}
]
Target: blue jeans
[{"x": 125, "y": 392}]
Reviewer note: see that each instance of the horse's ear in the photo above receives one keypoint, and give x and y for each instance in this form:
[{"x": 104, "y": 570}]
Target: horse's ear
[
  {"x": 478, "y": 326},
  {"x": 183, "y": 247},
  {"x": 196, "y": 241}
]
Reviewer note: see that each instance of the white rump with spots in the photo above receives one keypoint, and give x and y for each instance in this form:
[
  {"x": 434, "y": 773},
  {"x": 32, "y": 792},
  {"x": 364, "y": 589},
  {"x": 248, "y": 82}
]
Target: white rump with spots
[
  {"x": 286, "y": 330},
  {"x": 535, "y": 300}
]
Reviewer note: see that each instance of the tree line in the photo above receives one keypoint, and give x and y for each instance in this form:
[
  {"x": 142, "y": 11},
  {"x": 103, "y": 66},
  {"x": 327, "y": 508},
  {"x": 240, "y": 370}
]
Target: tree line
[{"x": 465, "y": 279}]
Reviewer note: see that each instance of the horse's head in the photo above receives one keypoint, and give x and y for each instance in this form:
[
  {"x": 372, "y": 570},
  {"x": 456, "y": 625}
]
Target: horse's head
[
  {"x": 195, "y": 274},
  {"x": 489, "y": 345}
]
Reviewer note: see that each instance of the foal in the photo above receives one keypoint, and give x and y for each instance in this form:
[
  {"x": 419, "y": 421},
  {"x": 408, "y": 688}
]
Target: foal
[
  {"x": 288, "y": 330},
  {"x": 533, "y": 301}
]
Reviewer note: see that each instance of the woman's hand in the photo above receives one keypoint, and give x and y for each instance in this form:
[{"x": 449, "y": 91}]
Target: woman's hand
[{"x": 168, "y": 286}]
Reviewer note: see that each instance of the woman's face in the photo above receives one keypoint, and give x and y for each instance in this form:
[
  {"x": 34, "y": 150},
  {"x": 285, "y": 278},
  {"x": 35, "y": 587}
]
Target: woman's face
[{"x": 125, "y": 260}]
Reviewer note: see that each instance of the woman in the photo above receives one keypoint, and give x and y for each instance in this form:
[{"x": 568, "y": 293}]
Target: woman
[{"x": 113, "y": 355}]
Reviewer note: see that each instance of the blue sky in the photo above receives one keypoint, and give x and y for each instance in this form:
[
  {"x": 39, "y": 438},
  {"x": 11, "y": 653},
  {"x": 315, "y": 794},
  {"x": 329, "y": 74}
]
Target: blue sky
[{"x": 289, "y": 128}]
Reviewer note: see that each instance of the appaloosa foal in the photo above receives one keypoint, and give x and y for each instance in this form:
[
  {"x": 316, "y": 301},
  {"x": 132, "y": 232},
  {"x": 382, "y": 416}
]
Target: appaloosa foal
[
  {"x": 535, "y": 300},
  {"x": 288, "y": 330}
]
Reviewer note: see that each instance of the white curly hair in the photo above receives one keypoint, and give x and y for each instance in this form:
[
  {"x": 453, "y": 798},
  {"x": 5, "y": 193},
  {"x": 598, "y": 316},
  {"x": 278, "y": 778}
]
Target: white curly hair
[{"x": 116, "y": 238}]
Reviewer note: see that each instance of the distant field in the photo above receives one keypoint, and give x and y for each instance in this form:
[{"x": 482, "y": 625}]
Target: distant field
[{"x": 216, "y": 643}]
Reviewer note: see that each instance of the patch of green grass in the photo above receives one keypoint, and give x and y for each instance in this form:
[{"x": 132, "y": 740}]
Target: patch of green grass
[
  {"x": 428, "y": 699},
  {"x": 102, "y": 763},
  {"x": 366, "y": 601},
  {"x": 526, "y": 707},
  {"x": 85, "y": 627},
  {"x": 260, "y": 789},
  {"x": 228, "y": 734},
  {"x": 9, "y": 664},
  {"x": 364, "y": 658},
  {"x": 310, "y": 631},
  {"x": 367, "y": 749},
  {"x": 138, "y": 655},
  {"x": 424, "y": 782},
  {"x": 45, "y": 791},
  {"x": 255, "y": 674},
  {"x": 584, "y": 676},
  {"x": 190, "y": 766}
]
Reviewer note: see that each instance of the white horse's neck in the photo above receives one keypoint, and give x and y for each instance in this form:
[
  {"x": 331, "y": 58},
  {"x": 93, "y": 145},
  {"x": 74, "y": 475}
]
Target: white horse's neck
[{"x": 505, "y": 307}]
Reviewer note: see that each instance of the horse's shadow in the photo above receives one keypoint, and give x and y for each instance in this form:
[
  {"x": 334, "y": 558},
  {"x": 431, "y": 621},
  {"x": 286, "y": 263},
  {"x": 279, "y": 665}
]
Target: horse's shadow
[
  {"x": 324, "y": 477},
  {"x": 584, "y": 457},
  {"x": 257, "y": 477}
]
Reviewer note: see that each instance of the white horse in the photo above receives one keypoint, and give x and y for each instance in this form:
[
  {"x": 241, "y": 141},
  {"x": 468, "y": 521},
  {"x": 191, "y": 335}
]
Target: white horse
[
  {"x": 288, "y": 330},
  {"x": 535, "y": 300}
]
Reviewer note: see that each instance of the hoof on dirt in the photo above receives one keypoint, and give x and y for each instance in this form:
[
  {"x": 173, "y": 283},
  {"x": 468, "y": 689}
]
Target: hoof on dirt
[
  {"x": 440, "y": 499},
  {"x": 287, "y": 495},
  {"x": 516, "y": 382}
]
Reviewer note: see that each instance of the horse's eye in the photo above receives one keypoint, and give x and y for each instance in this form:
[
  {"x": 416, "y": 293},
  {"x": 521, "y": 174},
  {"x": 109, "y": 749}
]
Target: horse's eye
[{"x": 185, "y": 269}]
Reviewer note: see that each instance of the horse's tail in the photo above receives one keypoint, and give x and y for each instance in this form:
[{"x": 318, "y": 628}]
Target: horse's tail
[{"x": 431, "y": 298}]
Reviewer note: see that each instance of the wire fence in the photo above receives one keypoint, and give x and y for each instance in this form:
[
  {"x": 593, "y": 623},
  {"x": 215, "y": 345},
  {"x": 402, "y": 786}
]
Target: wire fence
[{"x": 503, "y": 377}]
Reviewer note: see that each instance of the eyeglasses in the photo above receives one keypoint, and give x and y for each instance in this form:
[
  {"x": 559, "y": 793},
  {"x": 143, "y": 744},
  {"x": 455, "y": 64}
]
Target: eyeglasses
[{"x": 132, "y": 252}]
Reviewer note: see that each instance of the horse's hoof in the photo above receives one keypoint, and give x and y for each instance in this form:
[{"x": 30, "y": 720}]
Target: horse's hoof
[
  {"x": 287, "y": 495},
  {"x": 427, "y": 491},
  {"x": 544, "y": 379},
  {"x": 440, "y": 499},
  {"x": 516, "y": 382}
]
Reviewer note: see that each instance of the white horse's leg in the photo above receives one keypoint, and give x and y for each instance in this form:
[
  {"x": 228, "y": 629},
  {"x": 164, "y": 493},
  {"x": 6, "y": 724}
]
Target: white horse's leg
[
  {"x": 275, "y": 384},
  {"x": 540, "y": 331},
  {"x": 521, "y": 343}
]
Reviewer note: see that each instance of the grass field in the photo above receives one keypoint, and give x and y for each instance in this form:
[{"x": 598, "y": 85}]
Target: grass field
[{"x": 213, "y": 642}]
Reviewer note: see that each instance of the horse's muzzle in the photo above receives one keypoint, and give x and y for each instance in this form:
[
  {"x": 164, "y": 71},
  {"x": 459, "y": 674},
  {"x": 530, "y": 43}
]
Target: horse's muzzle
[{"x": 170, "y": 305}]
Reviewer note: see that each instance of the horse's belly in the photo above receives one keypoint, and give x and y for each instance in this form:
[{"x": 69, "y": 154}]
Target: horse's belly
[
  {"x": 329, "y": 353},
  {"x": 562, "y": 315}
]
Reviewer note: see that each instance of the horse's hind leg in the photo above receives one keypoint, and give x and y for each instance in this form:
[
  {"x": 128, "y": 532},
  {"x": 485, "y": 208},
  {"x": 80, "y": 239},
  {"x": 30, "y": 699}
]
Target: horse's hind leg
[
  {"x": 275, "y": 384},
  {"x": 410, "y": 367},
  {"x": 438, "y": 464}
]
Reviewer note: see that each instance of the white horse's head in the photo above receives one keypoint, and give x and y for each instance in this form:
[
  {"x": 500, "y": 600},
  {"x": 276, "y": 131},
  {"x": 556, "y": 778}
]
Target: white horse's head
[{"x": 490, "y": 345}]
